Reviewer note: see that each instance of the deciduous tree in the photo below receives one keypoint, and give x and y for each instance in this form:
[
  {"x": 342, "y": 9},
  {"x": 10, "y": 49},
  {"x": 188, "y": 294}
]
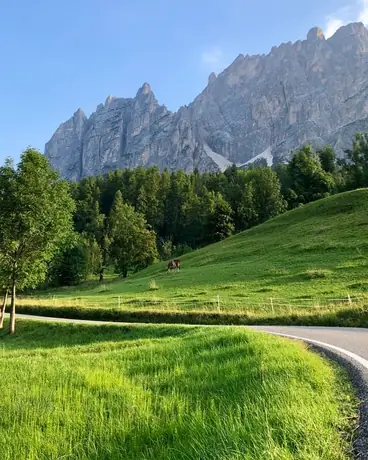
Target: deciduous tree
[
  {"x": 307, "y": 178},
  {"x": 132, "y": 244},
  {"x": 36, "y": 220}
]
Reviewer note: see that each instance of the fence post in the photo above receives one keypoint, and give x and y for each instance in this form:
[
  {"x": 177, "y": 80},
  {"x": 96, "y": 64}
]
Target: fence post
[
  {"x": 349, "y": 299},
  {"x": 273, "y": 311}
]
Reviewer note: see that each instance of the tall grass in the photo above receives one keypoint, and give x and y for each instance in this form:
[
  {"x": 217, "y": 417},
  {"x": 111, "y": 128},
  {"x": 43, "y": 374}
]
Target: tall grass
[{"x": 154, "y": 392}]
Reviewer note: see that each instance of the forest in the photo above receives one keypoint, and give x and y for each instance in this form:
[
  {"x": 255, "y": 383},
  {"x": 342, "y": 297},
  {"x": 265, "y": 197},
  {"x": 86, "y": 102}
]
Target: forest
[
  {"x": 127, "y": 219},
  {"x": 55, "y": 233}
]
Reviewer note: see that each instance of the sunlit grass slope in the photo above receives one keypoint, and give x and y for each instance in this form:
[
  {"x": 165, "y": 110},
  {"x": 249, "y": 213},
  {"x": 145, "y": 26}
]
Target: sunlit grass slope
[
  {"x": 291, "y": 265},
  {"x": 318, "y": 250},
  {"x": 160, "y": 392}
]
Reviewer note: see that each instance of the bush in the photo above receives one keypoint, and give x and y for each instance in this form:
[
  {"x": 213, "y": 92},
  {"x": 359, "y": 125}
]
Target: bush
[
  {"x": 182, "y": 249},
  {"x": 153, "y": 285},
  {"x": 316, "y": 274}
]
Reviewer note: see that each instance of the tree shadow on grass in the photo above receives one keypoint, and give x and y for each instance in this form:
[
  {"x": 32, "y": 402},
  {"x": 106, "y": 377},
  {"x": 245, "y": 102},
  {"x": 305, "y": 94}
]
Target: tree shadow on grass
[{"x": 36, "y": 335}]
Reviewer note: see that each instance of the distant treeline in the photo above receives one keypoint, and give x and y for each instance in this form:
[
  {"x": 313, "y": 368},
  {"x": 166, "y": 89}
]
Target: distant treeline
[{"x": 129, "y": 218}]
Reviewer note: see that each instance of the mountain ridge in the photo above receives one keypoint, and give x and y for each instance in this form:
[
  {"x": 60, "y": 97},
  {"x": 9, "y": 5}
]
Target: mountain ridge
[{"x": 309, "y": 91}]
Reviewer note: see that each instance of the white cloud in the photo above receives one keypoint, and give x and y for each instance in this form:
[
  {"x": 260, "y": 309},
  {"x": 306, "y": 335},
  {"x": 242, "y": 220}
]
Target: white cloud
[
  {"x": 213, "y": 59},
  {"x": 332, "y": 25},
  {"x": 363, "y": 14},
  {"x": 351, "y": 13}
]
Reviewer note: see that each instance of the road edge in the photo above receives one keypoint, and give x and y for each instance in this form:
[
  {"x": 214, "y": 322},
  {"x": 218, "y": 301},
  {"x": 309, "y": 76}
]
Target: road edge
[{"x": 358, "y": 375}]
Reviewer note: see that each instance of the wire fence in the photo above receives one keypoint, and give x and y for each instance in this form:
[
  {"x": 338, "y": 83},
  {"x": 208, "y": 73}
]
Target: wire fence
[
  {"x": 271, "y": 303},
  {"x": 213, "y": 303}
]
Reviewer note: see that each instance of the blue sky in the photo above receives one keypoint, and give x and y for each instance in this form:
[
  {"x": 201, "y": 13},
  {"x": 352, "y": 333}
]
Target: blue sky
[{"x": 58, "y": 56}]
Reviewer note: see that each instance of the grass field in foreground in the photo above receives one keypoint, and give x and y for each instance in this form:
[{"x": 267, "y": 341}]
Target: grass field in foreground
[
  {"x": 160, "y": 392},
  {"x": 284, "y": 270}
]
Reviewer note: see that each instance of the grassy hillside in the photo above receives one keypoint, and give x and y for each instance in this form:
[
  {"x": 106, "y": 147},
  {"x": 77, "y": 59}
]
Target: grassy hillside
[
  {"x": 155, "y": 392},
  {"x": 295, "y": 263}
]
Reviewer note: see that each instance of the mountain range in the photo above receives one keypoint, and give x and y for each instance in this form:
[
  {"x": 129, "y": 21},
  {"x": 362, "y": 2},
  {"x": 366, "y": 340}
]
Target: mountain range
[{"x": 263, "y": 106}]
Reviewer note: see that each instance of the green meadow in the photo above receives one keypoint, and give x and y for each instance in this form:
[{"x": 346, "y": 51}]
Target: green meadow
[
  {"x": 168, "y": 392},
  {"x": 307, "y": 266}
]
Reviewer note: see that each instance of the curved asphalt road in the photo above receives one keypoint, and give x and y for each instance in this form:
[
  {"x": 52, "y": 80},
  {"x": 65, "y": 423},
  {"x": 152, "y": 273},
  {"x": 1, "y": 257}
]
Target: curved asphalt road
[
  {"x": 354, "y": 340},
  {"x": 348, "y": 346}
]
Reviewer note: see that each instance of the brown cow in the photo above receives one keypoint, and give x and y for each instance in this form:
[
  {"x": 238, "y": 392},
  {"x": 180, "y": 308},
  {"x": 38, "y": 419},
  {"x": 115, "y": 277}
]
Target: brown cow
[{"x": 173, "y": 265}]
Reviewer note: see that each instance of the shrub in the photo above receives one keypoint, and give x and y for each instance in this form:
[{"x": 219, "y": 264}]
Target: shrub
[
  {"x": 153, "y": 285},
  {"x": 316, "y": 274},
  {"x": 103, "y": 288},
  {"x": 182, "y": 249}
]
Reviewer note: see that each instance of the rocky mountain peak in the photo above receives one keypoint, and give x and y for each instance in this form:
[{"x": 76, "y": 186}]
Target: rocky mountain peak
[
  {"x": 79, "y": 118},
  {"x": 212, "y": 78},
  {"x": 79, "y": 113},
  {"x": 315, "y": 34},
  {"x": 264, "y": 106},
  {"x": 109, "y": 100},
  {"x": 350, "y": 30},
  {"x": 144, "y": 89}
]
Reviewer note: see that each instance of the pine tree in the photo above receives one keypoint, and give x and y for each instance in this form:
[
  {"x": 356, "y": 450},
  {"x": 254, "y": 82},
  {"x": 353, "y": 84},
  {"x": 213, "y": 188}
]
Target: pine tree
[
  {"x": 356, "y": 168},
  {"x": 220, "y": 224},
  {"x": 176, "y": 197}
]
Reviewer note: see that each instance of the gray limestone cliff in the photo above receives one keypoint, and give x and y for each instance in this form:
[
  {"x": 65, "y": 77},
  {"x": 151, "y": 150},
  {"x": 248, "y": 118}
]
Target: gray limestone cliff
[{"x": 312, "y": 91}]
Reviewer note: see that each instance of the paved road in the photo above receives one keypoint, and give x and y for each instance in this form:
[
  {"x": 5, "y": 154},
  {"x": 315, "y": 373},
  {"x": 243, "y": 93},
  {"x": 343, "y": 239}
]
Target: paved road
[
  {"x": 354, "y": 340},
  {"x": 349, "y": 347}
]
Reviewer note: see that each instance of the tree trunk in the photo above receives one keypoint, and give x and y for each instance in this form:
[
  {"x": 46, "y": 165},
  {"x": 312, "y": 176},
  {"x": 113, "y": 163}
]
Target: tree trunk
[
  {"x": 2, "y": 309},
  {"x": 12, "y": 311}
]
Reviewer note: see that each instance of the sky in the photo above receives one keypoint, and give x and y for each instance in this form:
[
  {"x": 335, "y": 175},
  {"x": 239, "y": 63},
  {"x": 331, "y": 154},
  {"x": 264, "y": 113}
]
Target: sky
[{"x": 58, "y": 56}]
